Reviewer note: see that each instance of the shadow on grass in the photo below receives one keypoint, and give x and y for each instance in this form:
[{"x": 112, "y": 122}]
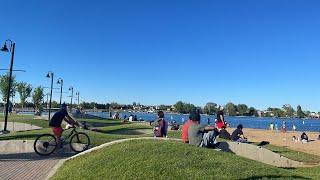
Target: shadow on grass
[
  {"x": 22, "y": 136},
  {"x": 127, "y": 131},
  {"x": 274, "y": 177}
]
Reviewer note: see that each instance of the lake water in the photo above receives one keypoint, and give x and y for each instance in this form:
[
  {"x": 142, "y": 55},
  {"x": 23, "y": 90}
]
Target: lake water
[{"x": 247, "y": 122}]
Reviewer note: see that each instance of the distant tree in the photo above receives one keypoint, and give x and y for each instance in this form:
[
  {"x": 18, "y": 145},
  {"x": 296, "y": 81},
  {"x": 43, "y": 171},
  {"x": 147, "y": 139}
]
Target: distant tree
[
  {"x": 184, "y": 108},
  {"x": 210, "y": 108},
  {"x": 231, "y": 109},
  {"x": 289, "y": 111},
  {"x": 300, "y": 113},
  {"x": 24, "y": 91},
  {"x": 252, "y": 112},
  {"x": 179, "y": 106},
  {"x": 4, "y": 86},
  {"x": 242, "y": 109},
  {"x": 37, "y": 98},
  {"x": 163, "y": 107}
]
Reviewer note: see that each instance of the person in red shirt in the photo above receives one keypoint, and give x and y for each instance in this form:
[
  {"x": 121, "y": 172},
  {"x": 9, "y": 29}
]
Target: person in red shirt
[{"x": 185, "y": 129}]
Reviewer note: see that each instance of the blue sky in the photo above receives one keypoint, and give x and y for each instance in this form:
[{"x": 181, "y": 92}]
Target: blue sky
[{"x": 261, "y": 53}]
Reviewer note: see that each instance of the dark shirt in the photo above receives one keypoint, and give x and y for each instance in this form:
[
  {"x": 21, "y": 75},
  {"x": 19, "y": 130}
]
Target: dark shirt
[
  {"x": 304, "y": 136},
  {"x": 219, "y": 114},
  {"x": 236, "y": 134},
  {"x": 57, "y": 118},
  {"x": 224, "y": 134}
]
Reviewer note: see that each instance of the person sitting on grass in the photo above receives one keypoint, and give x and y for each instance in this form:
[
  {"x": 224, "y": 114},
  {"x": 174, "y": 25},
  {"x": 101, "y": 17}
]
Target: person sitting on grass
[
  {"x": 237, "y": 135},
  {"x": 185, "y": 129},
  {"x": 304, "y": 138},
  {"x": 160, "y": 126},
  {"x": 201, "y": 135},
  {"x": 56, "y": 121}
]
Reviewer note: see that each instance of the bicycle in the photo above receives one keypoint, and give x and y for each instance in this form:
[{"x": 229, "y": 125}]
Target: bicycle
[{"x": 46, "y": 144}]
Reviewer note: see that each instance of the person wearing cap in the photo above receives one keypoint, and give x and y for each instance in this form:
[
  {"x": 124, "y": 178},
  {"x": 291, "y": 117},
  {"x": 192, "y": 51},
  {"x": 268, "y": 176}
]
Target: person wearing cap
[
  {"x": 201, "y": 135},
  {"x": 56, "y": 121}
]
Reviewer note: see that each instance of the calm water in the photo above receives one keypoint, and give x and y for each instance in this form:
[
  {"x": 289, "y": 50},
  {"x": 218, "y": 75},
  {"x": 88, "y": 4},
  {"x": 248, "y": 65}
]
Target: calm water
[{"x": 247, "y": 122}]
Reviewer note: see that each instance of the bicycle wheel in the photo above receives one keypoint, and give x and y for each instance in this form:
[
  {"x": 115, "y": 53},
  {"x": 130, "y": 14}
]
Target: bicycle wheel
[
  {"x": 45, "y": 144},
  {"x": 79, "y": 142}
]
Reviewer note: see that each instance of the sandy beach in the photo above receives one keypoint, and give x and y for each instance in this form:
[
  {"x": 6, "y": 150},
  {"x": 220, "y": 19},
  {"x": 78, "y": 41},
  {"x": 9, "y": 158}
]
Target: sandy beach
[{"x": 284, "y": 139}]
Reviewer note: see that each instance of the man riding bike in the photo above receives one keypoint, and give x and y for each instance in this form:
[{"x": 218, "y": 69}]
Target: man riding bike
[{"x": 56, "y": 121}]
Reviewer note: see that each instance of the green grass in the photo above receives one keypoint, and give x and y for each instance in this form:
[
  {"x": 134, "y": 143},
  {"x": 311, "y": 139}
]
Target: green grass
[
  {"x": 28, "y": 119},
  {"x": 152, "y": 159}
]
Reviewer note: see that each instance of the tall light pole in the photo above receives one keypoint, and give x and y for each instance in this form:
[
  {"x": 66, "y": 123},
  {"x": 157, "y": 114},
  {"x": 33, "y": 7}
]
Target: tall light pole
[
  {"x": 50, "y": 75},
  {"x": 71, "y": 89},
  {"x": 78, "y": 94},
  {"x": 60, "y": 81},
  {"x": 11, "y": 49}
]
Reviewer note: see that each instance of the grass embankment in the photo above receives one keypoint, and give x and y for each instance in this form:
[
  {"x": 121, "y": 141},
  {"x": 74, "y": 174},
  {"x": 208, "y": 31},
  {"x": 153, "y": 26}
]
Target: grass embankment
[{"x": 152, "y": 159}]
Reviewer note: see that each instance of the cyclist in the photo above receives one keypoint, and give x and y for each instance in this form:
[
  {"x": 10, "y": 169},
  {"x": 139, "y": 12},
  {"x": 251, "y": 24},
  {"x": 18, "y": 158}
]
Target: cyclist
[{"x": 56, "y": 121}]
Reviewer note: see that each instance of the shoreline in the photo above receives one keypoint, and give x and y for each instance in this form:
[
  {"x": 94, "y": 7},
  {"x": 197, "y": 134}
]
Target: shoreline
[{"x": 283, "y": 139}]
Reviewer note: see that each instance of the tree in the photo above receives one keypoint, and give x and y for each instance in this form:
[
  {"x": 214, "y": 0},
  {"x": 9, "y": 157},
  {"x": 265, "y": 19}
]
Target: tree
[
  {"x": 179, "y": 106},
  {"x": 24, "y": 91},
  {"x": 242, "y": 109},
  {"x": 300, "y": 113},
  {"x": 253, "y": 112},
  {"x": 4, "y": 86},
  {"x": 184, "y": 108},
  {"x": 210, "y": 108},
  {"x": 231, "y": 109},
  {"x": 288, "y": 110},
  {"x": 37, "y": 97}
]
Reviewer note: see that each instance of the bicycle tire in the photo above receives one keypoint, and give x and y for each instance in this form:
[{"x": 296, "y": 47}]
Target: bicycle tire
[
  {"x": 45, "y": 145},
  {"x": 78, "y": 141}
]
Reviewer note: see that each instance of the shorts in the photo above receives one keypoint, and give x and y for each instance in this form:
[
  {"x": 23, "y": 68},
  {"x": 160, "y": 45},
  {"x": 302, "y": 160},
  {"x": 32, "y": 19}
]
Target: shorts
[
  {"x": 57, "y": 131},
  {"x": 220, "y": 124}
]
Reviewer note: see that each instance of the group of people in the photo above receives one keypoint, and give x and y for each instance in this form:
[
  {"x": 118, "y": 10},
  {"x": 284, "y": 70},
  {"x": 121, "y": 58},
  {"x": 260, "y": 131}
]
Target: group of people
[{"x": 197, "y": 134}]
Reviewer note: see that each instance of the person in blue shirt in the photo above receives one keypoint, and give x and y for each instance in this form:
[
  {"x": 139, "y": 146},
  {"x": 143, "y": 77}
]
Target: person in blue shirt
[{"x": 56, "y": 121}]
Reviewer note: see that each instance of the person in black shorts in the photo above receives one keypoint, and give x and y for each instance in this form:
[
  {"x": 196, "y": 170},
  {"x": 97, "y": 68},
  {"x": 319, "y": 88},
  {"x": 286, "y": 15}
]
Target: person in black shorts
[{"x": 56, "y": 121}]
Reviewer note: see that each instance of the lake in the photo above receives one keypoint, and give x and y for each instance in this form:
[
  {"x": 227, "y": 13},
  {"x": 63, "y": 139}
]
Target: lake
[{"x": 247, "y": 122}]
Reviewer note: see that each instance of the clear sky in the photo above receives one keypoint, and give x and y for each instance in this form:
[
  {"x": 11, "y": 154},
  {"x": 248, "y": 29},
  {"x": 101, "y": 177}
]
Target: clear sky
[{"x": 261, "y": 53}]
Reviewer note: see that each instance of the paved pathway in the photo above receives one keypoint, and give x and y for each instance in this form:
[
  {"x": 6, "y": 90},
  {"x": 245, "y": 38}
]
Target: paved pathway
[
  {"x": 16, "y": 126},
  {"x": 25, "y": 164}
]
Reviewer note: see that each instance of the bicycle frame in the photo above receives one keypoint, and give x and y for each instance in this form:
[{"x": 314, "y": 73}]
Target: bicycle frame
[{"x": 64, "y": 141}]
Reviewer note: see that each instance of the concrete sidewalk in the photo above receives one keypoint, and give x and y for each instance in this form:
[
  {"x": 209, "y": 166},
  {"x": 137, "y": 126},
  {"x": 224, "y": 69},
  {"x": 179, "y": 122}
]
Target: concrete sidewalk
[
  {"x": 16, "y": 126},
  {"x": 19, "y": 161}
]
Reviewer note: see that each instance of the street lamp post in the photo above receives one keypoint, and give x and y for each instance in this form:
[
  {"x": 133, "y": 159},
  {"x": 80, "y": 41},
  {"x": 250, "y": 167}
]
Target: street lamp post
[
  {"x": 60, "y": 81},
  {"x": 10, "y": 49},
  {"x": 78, "y": 94},
  {"x": 50, "y": 75},
  {"x": 71, "y": 89}
]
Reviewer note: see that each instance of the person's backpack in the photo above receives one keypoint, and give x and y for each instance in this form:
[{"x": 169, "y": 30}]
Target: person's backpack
[{"x": 158, "y": 129}]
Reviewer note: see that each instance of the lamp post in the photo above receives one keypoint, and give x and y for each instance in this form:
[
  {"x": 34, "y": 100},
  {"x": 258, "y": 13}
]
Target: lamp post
[
  {"x": 71, "y": 89},
  {"x": 50, "y": 75},
  {"x": 78, "y": 94},
  {"x": 60, "y": 81},
  {"x": 11, "y": 49}
]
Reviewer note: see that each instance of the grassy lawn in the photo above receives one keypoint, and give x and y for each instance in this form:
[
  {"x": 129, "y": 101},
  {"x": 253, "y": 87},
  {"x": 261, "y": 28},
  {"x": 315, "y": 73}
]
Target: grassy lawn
[
  {"x": 152, "y": 159},
  {"x": 28, "y": 119}
]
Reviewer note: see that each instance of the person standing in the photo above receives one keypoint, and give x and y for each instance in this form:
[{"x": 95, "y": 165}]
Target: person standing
[
  {"x": 220, "y": 123},
  {"x": 160, "y": 126}
]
